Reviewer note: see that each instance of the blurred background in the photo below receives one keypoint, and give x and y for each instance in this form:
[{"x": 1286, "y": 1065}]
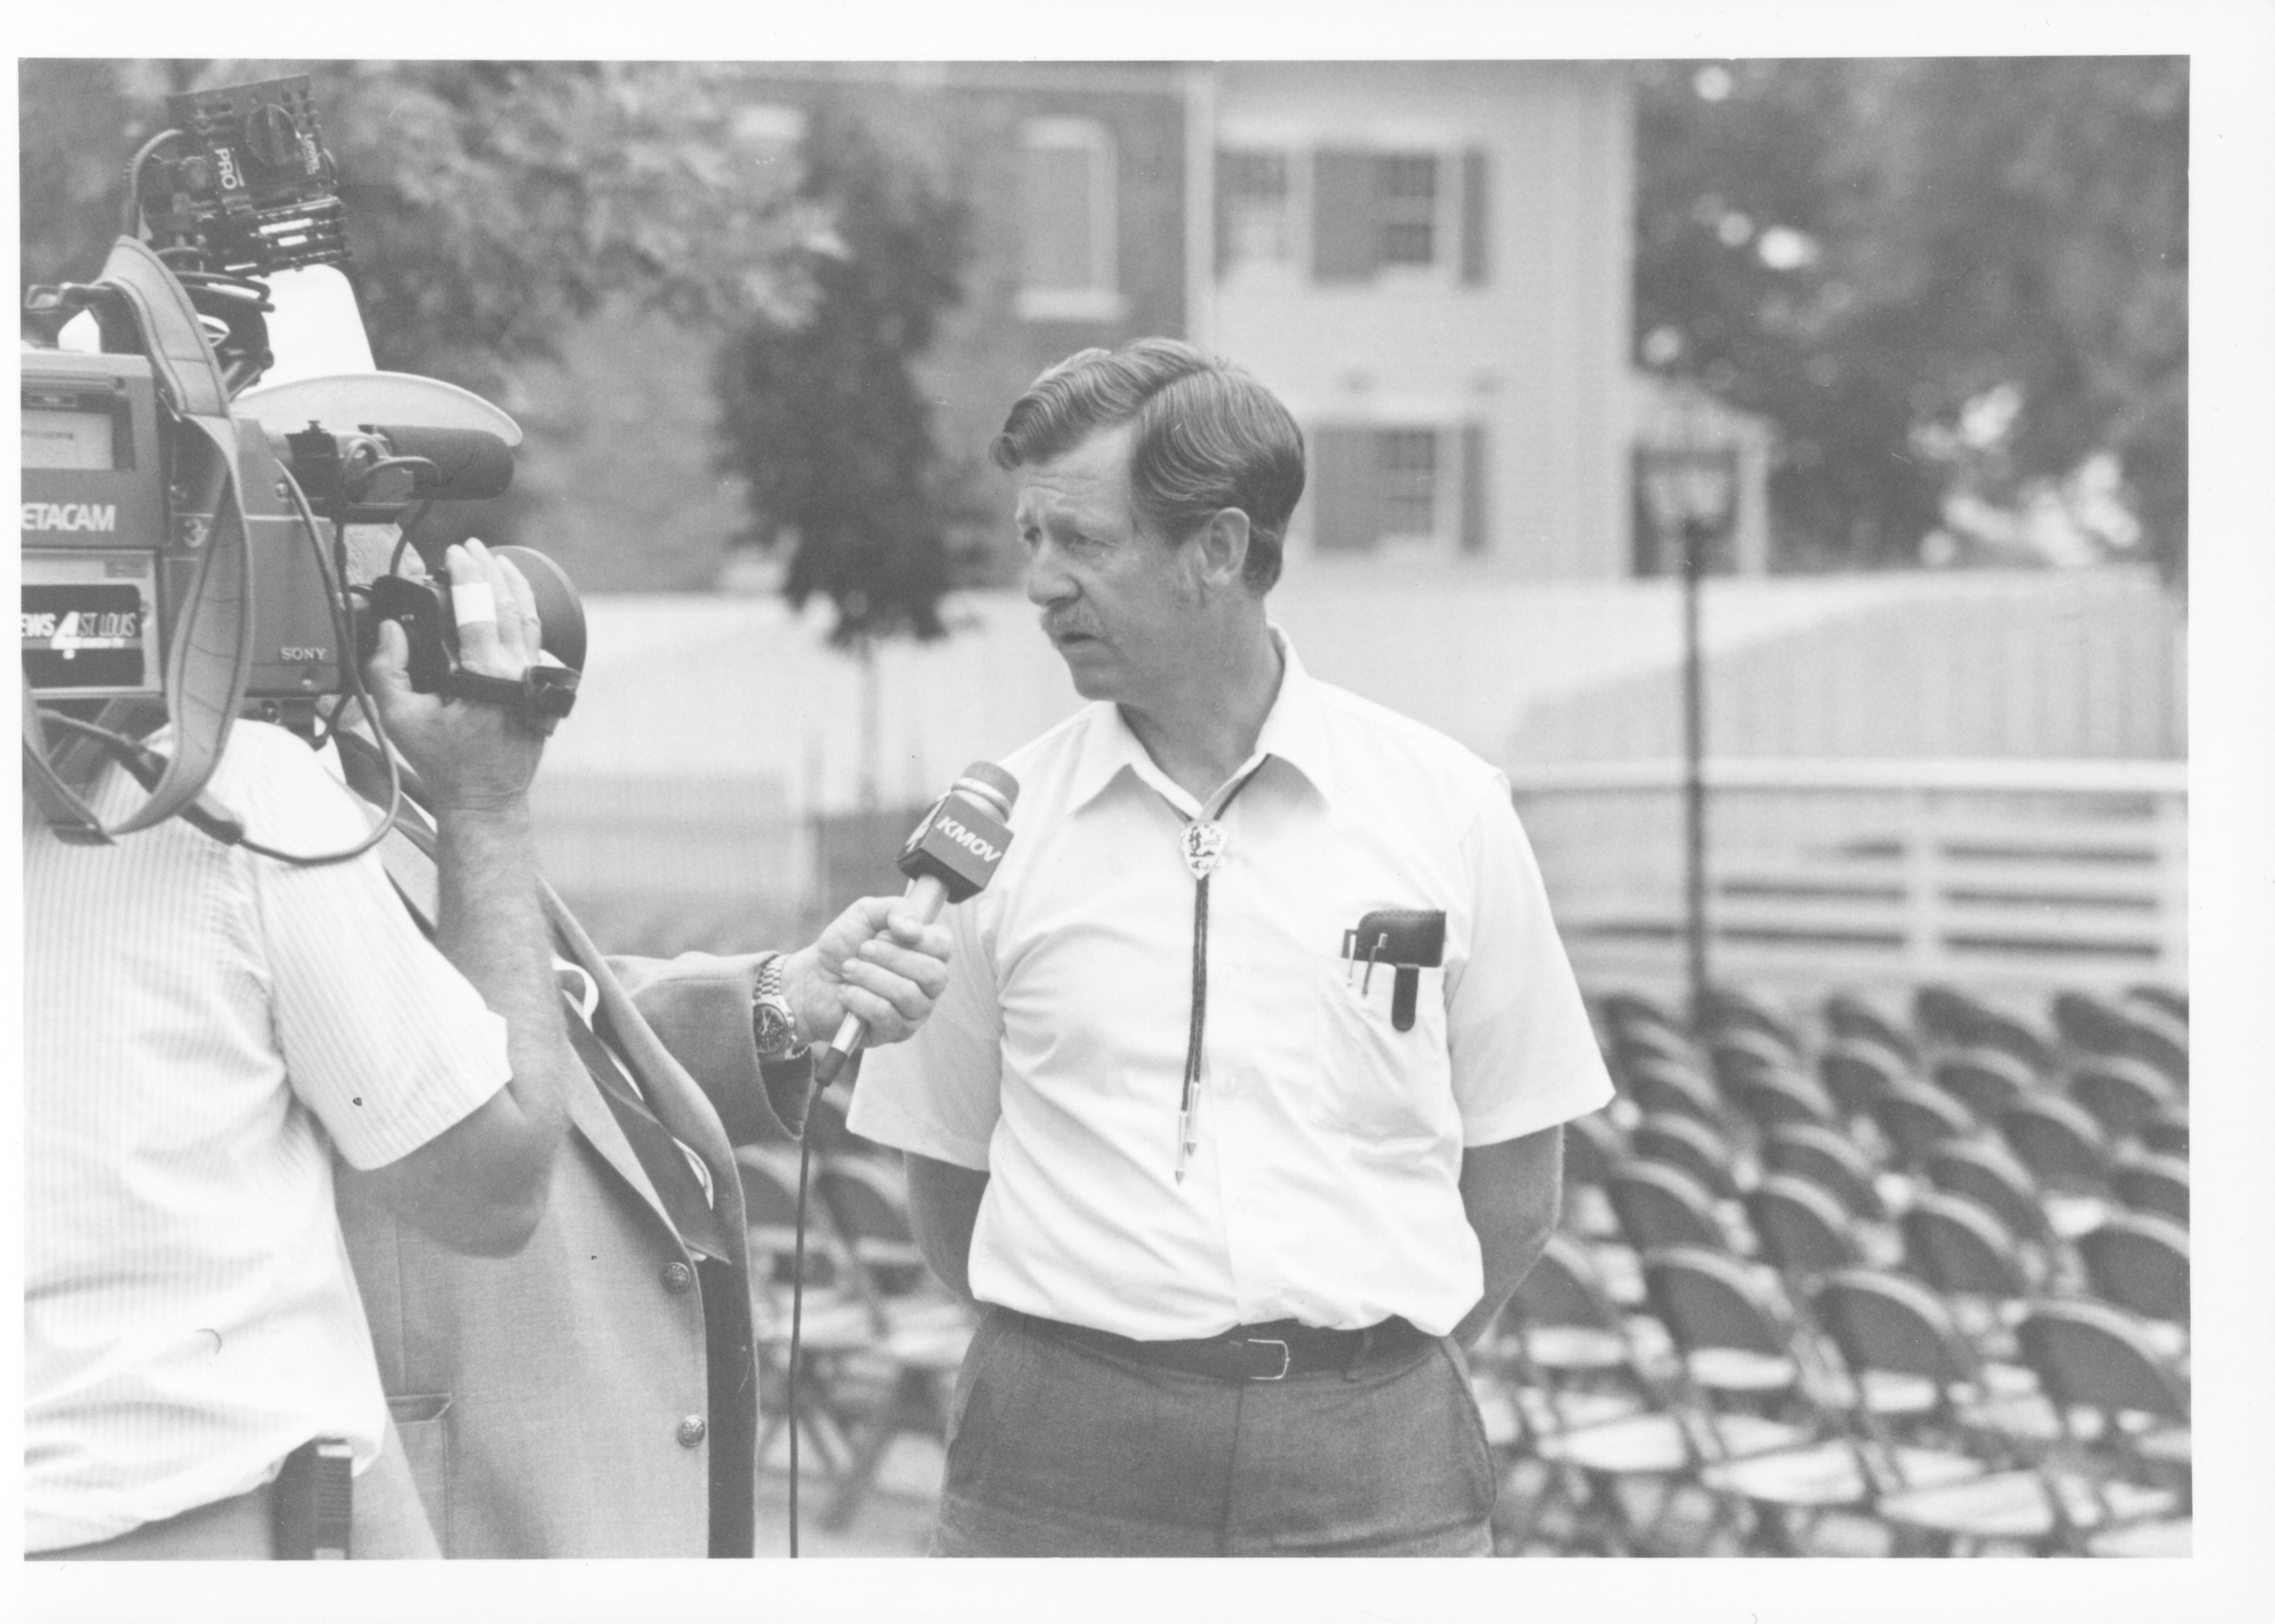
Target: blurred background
[
  {"x": 760, "y": 320},
  {"x": 1892, "y": 354}
]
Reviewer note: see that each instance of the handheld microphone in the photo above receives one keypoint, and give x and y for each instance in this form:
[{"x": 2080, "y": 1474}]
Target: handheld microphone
[{"x": 952, "y": 853}]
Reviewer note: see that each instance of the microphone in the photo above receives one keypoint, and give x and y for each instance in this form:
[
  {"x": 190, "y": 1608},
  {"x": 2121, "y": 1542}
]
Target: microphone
[{"x": 952, "y": 854}]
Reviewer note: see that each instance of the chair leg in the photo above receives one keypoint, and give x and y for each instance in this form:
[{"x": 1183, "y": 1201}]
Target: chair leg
[
  {"x": 1771, "y": 1535},
  {"x": 819, "y": 1425},
  {"x": 1515, "y": 1514},
  {"x": 1656, "y": 1540},
  {"x": 1599, "y": 1520},
  {"x": 908, "y": 1405},
  {"x": 1920, "y": 1541},
  {"x": 853, "y": 1482}
]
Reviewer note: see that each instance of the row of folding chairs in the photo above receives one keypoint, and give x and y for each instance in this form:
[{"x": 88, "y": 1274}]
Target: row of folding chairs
[
  {"x": 2031, "y": 1179},
  {"x": 2128, "y": 1134},
  {"x": 1974, "y": 1232},
  {"x": 1726, "y": 1411},
  {"x": 2115, "y": 1098},
  {"x": 2147, "y": 1025},
  {"x": 1986, "y": 1061},
  {"x": 880, "y": 1341}
]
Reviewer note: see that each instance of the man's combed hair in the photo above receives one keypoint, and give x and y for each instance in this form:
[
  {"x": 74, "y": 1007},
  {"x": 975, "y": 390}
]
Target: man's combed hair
[{"x": 1208, "y": 437}]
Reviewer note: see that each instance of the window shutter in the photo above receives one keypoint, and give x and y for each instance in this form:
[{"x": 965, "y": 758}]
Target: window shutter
[
  {"x": 1477, "y": 218},
  {"x": 1224, "y": 167},
  {"x": 1474, "y": 483},
  {"x": 1344, "y": 227},
  {"x": 1345, "y": 517}
]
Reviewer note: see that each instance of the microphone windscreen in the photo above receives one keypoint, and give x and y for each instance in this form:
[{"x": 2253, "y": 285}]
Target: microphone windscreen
[
  {"x": 470, "y": 464},
  {"x": 996, "y": 779}
]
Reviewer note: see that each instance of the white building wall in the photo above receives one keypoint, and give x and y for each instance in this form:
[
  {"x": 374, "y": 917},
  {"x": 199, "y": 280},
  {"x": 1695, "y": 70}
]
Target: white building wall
[{"x": 1539, "y": 352}]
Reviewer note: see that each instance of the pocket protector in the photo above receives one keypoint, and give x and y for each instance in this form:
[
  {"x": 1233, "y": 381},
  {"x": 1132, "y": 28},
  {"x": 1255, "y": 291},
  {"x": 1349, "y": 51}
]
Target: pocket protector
[{"x": 1408, "y": 940}]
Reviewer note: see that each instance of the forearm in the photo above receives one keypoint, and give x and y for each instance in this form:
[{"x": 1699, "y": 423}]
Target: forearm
[
  {"x": 491, "y": 926},
  {"x": 1508, "y": 1259},
  {"x": 943, "y": 1209},
  {"x": 1511, "y": 1193},
  {"x": 481, "y": 1185}
]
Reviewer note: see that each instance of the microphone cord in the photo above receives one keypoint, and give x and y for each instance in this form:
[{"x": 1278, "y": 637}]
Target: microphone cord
[{"x": 797, "y": 1305}]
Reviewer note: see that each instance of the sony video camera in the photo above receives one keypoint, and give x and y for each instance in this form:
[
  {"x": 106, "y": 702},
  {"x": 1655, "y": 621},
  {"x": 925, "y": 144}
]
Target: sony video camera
[{"x": 182, "y": 527}]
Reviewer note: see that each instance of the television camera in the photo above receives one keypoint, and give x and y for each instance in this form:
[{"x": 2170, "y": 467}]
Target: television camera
[{"x": 183, "y": 527}]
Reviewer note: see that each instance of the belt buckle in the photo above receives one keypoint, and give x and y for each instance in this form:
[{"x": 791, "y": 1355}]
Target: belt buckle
[{"x": 1286, "y": 1358}]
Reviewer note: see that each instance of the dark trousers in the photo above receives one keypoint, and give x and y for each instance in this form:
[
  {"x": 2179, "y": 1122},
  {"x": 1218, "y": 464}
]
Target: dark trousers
[{"x": 1060, "y": 1448}]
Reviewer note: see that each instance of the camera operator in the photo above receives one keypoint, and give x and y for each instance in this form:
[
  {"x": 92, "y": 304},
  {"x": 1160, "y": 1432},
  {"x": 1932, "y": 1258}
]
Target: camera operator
[{"x": 204, "y": 1026}]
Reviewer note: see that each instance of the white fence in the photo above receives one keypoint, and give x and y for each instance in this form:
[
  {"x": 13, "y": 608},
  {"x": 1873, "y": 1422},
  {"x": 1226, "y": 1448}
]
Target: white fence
[{"x": 2015, "y": 874}]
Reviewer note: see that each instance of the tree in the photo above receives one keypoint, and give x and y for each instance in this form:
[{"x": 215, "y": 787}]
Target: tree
[
  {"x": 824, "y": 418},
  {"x": 1957, "y": 278},
  {"x": 489, "y": 203}
]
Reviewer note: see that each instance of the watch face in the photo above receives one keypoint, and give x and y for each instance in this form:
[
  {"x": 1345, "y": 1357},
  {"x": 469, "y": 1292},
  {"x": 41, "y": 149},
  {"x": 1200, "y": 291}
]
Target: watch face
[{"x": 775, "y": 1033}]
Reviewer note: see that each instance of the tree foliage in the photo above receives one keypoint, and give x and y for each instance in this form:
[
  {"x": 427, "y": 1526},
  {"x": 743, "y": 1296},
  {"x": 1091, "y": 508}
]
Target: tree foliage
[
  {"x": 824, "y": 418},
  {"x": 1946, "y": 279},
  {"x": 489, "y": 203}
]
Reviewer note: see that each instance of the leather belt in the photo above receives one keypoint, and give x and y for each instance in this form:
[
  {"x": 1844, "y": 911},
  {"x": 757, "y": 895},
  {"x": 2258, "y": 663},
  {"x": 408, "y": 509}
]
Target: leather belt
[{"x": 1271, "y": 1351}]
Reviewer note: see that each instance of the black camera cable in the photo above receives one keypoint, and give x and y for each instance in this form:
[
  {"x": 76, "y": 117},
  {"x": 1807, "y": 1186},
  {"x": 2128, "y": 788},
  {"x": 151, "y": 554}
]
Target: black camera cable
[
  {"x": 130, "y": 220},
  {"x": 798, "y": 1304}
]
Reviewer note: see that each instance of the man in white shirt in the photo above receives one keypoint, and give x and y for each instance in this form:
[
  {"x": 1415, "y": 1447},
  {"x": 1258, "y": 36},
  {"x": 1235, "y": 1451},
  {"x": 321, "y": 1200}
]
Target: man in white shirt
[
  {"x": 1241, "y": 1113},
  {"x": 204, "y": 1026}
]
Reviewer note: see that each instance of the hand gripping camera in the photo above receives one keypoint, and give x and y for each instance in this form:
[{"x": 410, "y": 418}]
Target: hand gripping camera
[{"x": 181, "y": 529}]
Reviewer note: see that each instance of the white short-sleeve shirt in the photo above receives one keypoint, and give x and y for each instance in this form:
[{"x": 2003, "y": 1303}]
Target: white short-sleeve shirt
[
  {"x": 1323, "y": 1185},
  {"x": 202, "y": 1028}
]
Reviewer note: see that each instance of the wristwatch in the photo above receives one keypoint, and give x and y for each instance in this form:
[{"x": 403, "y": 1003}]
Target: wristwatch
[{"x": 772, "y": 1025}]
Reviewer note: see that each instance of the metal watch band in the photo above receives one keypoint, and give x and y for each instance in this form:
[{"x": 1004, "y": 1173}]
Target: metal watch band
[{"x": 774, "y": 1025}]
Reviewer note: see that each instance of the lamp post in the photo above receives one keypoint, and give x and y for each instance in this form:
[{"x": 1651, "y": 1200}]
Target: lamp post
[{"x": 1689, "y": 480}]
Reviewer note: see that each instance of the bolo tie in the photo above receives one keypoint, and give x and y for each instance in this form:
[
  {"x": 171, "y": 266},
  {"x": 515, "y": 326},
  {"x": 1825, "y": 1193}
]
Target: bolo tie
[{"x": 1201, "y": 843}]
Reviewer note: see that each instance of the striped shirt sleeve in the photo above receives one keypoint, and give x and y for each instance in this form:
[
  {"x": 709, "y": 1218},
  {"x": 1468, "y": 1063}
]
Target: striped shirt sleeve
[{"x": 385, "y": 1042}]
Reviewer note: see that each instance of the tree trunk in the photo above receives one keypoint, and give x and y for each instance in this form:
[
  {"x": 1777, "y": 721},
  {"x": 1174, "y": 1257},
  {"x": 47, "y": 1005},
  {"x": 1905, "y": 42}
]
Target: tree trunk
[{"x": 873, "y": 742}]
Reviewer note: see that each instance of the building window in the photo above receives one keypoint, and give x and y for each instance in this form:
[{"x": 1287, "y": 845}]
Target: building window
[
  {"x": 1377, "y": 487},
  {"x": 1377, "y": 212},
  {"x": 1256, "y": 222},
  {"x": 1407, "y": 467},
  {"x": 1068, "y": 222},
  {"x": 1406, "y": 209}
]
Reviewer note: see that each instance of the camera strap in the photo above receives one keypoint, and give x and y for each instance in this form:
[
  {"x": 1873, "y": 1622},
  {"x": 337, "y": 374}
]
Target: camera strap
[{"x": 210, "y": 653}]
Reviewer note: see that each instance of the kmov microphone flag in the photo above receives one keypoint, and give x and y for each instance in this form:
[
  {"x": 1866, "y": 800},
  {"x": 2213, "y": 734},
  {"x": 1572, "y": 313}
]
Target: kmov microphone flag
[{"x": 952, "y": 853}]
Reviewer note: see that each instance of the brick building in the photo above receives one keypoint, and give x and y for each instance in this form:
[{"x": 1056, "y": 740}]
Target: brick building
[{"x": 1429, "y": 261}]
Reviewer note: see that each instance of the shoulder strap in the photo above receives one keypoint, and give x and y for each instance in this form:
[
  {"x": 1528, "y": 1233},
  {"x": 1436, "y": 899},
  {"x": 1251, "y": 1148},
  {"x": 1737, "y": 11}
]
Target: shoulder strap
[{"x": 210, "y": 653}]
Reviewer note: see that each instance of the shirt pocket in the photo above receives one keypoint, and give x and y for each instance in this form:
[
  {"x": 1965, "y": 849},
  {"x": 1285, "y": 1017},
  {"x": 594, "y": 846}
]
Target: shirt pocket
[{"x": 1378, "y": 1085}]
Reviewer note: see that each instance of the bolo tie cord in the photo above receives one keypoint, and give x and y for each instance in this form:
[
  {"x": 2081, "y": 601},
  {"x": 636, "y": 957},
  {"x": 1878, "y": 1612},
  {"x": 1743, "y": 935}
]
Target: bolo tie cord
[
  {"x": 1200, "y": 983},
  {"x": 1190, "y": 1089}
]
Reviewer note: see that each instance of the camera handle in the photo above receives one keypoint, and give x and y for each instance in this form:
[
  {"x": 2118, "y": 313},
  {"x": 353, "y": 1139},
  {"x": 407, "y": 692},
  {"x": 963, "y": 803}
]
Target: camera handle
[
  {"x": 541, "y": 696},
  {"x": 211, "y": 656}
]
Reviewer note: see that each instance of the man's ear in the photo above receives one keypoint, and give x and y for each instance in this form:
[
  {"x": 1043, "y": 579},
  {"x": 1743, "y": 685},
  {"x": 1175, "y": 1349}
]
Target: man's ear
[{"x": 1224, "y": 547}]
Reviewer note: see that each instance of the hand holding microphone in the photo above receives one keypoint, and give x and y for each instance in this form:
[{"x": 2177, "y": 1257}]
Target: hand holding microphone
[{"x": 952, "y": 854}]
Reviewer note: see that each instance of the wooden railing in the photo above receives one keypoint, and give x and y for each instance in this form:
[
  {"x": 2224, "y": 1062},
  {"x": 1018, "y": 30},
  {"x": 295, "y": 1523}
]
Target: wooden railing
[{"x": 2022, "y": 874}]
